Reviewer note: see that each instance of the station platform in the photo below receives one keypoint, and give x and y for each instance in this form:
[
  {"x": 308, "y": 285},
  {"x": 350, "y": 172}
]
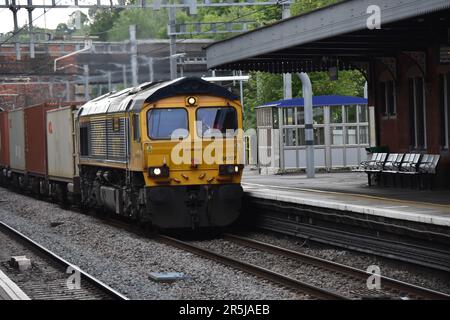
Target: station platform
[
  {"x": 9, "y": 290},
  {"x": 349, "y": 192}
]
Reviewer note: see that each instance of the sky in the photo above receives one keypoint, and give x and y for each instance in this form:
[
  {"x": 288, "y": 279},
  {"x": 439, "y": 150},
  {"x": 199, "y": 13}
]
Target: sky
[{"x": 50, "y": 20}]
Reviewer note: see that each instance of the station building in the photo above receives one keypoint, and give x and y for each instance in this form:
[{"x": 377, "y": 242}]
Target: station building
[
  {"x": 406, "y": 61},
  {"x": 342, "y": 133}
]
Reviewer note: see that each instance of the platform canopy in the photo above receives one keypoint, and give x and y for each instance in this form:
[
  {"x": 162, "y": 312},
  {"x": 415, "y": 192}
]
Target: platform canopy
[
  {"x": 318, "y": 101},
  {"x": 335, "y": 36}
]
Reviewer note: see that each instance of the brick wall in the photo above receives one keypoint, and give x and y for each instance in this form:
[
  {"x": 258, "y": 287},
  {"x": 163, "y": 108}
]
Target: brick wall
[
  {"x": 394, "y": 132},
  {"x": 37, "y": 82}
]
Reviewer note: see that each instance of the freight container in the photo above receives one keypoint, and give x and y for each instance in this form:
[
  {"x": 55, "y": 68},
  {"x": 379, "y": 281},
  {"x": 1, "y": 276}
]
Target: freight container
[
  {"x": 35, "y": 138},
  {"x": 16, "y": 140},
  {"x": 4, "y": 139},
  {"x": 61, "y": 147}
]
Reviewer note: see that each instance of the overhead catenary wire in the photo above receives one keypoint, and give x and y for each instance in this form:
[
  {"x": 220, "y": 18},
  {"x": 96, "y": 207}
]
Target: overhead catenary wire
[
  {"x": 46, "y": 65},
  {"x": 218, "y": 24},
  {"x": 18, "y": 31},
  {"x": 42, "y": 67}
]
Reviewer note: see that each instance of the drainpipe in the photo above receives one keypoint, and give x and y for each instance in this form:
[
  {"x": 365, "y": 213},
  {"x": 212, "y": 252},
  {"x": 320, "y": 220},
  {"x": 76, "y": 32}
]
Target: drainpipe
[{"x": 309, "y": 129}]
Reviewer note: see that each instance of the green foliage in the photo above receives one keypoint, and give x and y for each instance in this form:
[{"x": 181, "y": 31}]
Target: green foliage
[
  {"x": 304, "y": 6},
  {"x": 266, "y": 87},
  {"x": 103, "y": 21},
  {"x": 261, "y": 88},
  {"x": 350, "y": 83},
  {"x": 150, "y": 24}
]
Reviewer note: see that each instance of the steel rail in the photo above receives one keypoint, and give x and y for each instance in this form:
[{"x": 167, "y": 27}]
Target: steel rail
[
  {"x": 253, "y": 270},
  {"x": 331, "y": 265},
  {"x": 427, "y": 256},
  {"x": 421, "y": 256},
  {"x": 53, "y": 256}
]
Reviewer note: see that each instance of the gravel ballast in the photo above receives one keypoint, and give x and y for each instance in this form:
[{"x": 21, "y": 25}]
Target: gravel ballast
[
  {"x": 417, "y": 275},
  {"x": 124, "y": 260}
]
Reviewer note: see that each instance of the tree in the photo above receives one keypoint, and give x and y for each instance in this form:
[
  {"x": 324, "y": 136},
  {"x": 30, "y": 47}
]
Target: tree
[
  {"x": 150, "y": 24},
  {"x": 103, "y": 21},
  {"x": 62, "y": 29}
]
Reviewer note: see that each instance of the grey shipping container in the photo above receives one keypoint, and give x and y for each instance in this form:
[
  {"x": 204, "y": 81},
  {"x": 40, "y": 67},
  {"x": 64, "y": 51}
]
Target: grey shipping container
[
  {"x": 61, "y": 146},
  {"x": 16, "y": 140}
]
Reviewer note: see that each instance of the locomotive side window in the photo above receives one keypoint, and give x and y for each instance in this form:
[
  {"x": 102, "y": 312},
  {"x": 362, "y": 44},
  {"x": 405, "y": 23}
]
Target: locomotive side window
[
  {"x": 136, "y": 128},
  {"x": 211, "y": 121},
  {"x": 84, "y": 140},
  {"x": 162, "y": 123}
]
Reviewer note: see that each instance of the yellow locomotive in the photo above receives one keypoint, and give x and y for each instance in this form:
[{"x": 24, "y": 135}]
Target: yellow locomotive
[{"x": 167, "y": 153}]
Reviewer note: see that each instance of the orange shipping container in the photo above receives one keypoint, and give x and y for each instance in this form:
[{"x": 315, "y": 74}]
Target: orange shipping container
[{"x": 35, "y": 138}]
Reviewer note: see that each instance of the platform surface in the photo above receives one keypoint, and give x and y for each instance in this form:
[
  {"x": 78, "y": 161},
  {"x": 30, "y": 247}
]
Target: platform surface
[
  {"x": 9, "y": 290},
  {"x": 350, "y": 192}
]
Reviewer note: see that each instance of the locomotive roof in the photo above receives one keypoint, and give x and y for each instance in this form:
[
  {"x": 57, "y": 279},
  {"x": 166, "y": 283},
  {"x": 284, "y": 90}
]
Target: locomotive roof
[{"x": 132, "y": 99}]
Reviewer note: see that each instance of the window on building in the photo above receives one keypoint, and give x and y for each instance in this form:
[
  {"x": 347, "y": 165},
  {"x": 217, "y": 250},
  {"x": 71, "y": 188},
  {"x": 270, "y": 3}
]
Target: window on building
[
  {"x": 288, "y": 116},
  {"x": 388, "y": 103},
  {"x": 336, "y": 114},
  {"x": 363, "y": 135},
  {"x": 417, "y": 113},
  {"x": 301, "y": 137},
  {"x": 318, "y": 115},
  {"x": 363, "y": 114},
  {"x": 351, "y": 136},
  {"x": 350, "y": 114},
  {"x": 300, "y": 116},
  {"x": 382, "y": 99},
  {"x": 319, "y": 136},
  {"x": 290, "y": 137},
  {"x": 444, "y": 104},
  {"x": 337, "y": 136},
  {"x": 390, "y": 98}
]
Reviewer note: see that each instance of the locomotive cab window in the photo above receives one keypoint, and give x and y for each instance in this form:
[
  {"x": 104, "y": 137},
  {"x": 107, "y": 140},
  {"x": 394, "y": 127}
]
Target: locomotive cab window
[
  {"x": 162, "y": 123},
  {"x": 216, "y": 121}
]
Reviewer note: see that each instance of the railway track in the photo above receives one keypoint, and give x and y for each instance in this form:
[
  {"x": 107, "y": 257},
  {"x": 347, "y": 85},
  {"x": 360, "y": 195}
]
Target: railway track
[
  {"x": 47, "y": 278},
  {"x": 283, "y": 280},
  {"x": 407, "y": 252},
  {"x": 353, "y": 233},
  {"x": 390, "y": 286}
]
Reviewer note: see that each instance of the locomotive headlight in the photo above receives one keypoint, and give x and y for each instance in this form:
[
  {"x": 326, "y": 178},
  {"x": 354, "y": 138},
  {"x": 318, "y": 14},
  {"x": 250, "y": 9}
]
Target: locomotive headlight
[
  {"x": 229, "y": 169},
  {"x": 191, "y": 101},
  {"x": 157, "y": 172}
]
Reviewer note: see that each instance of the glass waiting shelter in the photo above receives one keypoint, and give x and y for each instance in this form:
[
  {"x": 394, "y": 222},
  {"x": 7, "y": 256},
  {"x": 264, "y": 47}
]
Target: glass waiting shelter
[{"x": 343, "y": 127}]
